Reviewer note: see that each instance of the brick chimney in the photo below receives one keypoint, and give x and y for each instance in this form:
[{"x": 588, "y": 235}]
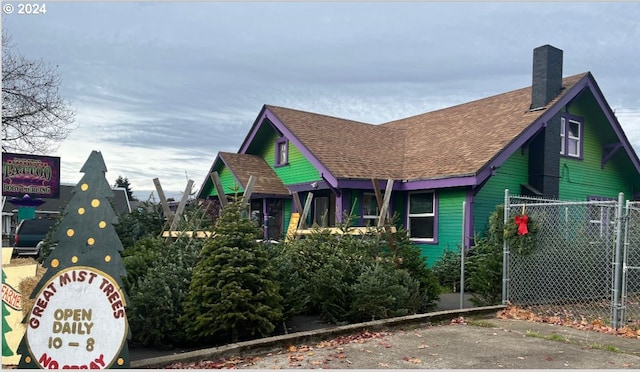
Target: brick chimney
[{"x": 547, "y": 75}]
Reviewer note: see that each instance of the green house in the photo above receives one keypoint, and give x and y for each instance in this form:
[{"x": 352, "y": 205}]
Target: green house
[{"x": 555, "y": 139}]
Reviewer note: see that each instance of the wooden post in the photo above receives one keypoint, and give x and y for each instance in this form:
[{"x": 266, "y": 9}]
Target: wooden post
[
  {"x": 246, "y": 196},
  {"x": 163, "y": 200},
  {"x": 296, "y": 202},
  {"x": 183, "y": 201},
  {"x": 384, "y": 211},
  {"x": 376, "y": 190},
  {"x": 305, "y": 212},
  {"x": 215, "y": 178}
]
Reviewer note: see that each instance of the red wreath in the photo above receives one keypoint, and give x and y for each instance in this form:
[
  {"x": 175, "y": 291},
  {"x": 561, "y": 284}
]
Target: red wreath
[{"x": 521, "y": 222}]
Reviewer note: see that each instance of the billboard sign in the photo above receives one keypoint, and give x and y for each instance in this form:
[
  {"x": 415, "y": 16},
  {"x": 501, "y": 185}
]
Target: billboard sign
[{"x": 36, "y": 175}]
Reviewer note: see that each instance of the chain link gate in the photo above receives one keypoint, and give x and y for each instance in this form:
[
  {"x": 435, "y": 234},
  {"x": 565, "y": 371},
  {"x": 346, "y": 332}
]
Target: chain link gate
[
  {"x": 571, "y": 272},
  {"x": 630, "y": 304}
]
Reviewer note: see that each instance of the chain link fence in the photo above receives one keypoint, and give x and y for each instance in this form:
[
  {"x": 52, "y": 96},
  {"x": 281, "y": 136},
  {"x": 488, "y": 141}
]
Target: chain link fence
[{"x": 584, "y": 263}]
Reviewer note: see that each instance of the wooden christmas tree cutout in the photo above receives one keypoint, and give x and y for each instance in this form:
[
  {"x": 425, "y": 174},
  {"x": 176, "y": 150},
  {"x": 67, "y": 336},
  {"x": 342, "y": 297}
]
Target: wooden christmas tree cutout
[{"x": 79, "y": 319}]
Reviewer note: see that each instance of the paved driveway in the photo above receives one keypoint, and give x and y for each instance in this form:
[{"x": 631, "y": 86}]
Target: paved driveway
[{"x": 487, "y": 344}]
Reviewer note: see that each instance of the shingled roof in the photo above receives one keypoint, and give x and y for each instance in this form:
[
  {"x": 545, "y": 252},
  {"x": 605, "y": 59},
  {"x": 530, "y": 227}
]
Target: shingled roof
[
  {"x": 244, "y": 165},
  {"x": 451, "y": 142},
  {"x": 348, "y": 149},
  {"x": 460, "y": 140}
]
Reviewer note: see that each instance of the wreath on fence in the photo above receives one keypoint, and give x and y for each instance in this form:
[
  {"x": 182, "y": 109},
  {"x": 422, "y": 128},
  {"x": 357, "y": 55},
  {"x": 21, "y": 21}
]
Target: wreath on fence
[{"x": 521, "y": 233}]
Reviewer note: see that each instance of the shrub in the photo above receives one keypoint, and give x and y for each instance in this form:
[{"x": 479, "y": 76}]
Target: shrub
[
  {"x": 328, "y": 275},
  {"x": 233, "y": 294},
  {"x": 485, "y": 263},
  {"x": 158, "y": 280},
  {"x": 447, "y": 270}
]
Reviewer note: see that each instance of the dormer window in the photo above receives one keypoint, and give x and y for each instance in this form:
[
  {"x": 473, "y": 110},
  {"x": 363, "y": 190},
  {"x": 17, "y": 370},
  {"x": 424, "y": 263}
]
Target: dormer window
[
  {"x": 282, "y": 152},
  {"x": 571, "y": 133}
]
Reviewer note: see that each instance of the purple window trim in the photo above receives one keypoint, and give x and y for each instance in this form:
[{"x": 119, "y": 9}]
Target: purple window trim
[
  {"x": 433, "y": 241},
  {"x": 578, "y": 119},
  {"x": 279, "y": 142}
]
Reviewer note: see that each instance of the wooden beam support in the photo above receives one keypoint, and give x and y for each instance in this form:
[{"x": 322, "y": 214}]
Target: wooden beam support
[
  {"x": 246, "y": 196},
  {"x": 384, "y": 211},
  {"x": 183, "y": 202},
  {"x": 305, "y": 212},
  {"x": 215, "y": 178},
  {"x": 296, "y": 201},
  {"x": 376, "y": 190},
  {"x": 163, "y": 201}
]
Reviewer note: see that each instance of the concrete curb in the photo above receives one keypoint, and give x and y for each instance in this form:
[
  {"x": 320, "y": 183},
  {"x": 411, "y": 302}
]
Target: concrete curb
[{"x": 276, "y": 342}]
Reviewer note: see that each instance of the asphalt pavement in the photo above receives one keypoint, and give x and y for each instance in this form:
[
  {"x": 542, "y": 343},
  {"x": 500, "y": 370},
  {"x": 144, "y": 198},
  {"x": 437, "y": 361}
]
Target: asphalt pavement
[{"x": 476, "y": 339}]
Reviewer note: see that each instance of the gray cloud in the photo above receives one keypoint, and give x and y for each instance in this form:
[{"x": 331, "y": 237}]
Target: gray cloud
[{"x": 170, "y": 84}]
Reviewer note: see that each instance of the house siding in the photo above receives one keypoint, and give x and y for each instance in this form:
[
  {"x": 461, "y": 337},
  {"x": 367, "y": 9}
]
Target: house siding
[
  {"x": 298, "y": 170},
  {"x": 512, "y": 173},
  {"x": 228, "y": 182},
  {"x": 581, "y": 178},
  {"x": 449, "y": 235}
]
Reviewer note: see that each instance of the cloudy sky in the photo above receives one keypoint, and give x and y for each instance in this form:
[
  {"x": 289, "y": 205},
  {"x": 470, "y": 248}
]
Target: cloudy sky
[{"x": 160, "y": 87}]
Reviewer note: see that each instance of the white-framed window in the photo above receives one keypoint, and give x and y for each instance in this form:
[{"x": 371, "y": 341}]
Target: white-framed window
[
  {"x": 571, "y": 137},
  {"x": 282, "y": 151},
  {"x": 370, "y": 211},
  {"x": 422, "y": 217}
]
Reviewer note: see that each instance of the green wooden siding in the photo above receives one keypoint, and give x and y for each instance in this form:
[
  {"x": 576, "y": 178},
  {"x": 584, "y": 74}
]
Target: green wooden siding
[
  {"x": 299, "y": 169},
  {"x": 449, "y": 216},
  {"x": 580, "y": 178},
  {"x": 512, "y": 173},
  {"x": 228, "y": 182}
]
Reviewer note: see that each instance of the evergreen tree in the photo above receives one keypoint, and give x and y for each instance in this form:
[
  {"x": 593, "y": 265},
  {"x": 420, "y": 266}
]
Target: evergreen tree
[
  {"x": 233, "y": 294},
  {"x": 6, "y": 350},
  {"x": 86, "y": 238},
  {"x": 124, "y": 183}
]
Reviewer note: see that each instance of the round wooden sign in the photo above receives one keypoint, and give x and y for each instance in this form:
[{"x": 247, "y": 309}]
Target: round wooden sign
[{"x": 78, "y": 321}]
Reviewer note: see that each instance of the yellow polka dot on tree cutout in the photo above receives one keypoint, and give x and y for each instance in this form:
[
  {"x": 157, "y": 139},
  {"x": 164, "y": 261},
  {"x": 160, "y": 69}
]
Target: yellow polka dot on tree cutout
[
  {"x": 27, "y": 359},
  {"x": 120, "y": 361},
  {"x": 84, "y": 187},
  {"x": 91, "y": 241},
  {"x": 102, "y": 224},
  {"x": 55, "y": 262},
  {"x": 81, "y": 210},
  {"x": 70, "y": 232},
  {"x": 74, "y": 259},
  {"x": 95, "y": 203},
  {"x": 107, "y": 258}
]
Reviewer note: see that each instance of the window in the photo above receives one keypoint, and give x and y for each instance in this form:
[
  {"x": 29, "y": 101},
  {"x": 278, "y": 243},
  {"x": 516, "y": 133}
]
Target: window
[
  {"x": 571, "y": 137},
  {"x": 422, "y": 216},
  {"x": 370, "y": 211},
  {"x": 282, "y": 151}
]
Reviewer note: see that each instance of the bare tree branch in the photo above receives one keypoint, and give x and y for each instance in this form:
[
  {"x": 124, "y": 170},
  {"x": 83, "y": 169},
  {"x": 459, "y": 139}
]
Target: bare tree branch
[{"x": 35, "y": 118}]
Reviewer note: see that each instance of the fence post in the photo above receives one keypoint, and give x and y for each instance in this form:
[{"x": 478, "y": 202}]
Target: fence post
[
  {"x": 505, "y": 253},
  {"x": 462, "y": 252},
  {"x": 615, "y": 301}
]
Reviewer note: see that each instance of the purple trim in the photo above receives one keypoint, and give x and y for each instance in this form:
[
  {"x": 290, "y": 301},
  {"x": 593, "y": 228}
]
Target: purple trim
[
  {"x": 208, "y": 180},
  {"x": 235, "y": 176},
  {"x": 580, "y": 120},
  {"x": 468, "y": 223},
  {"x": 279, "y": 142},
  {"x": 469, "y": 180},
  {"x": 265, "y": 113},
  {"x": 586, "y": 82},
  {"x": 612, "y": 149},
  {"x": 304, "y": 187},
  {"x": 613, "y": 121}
]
